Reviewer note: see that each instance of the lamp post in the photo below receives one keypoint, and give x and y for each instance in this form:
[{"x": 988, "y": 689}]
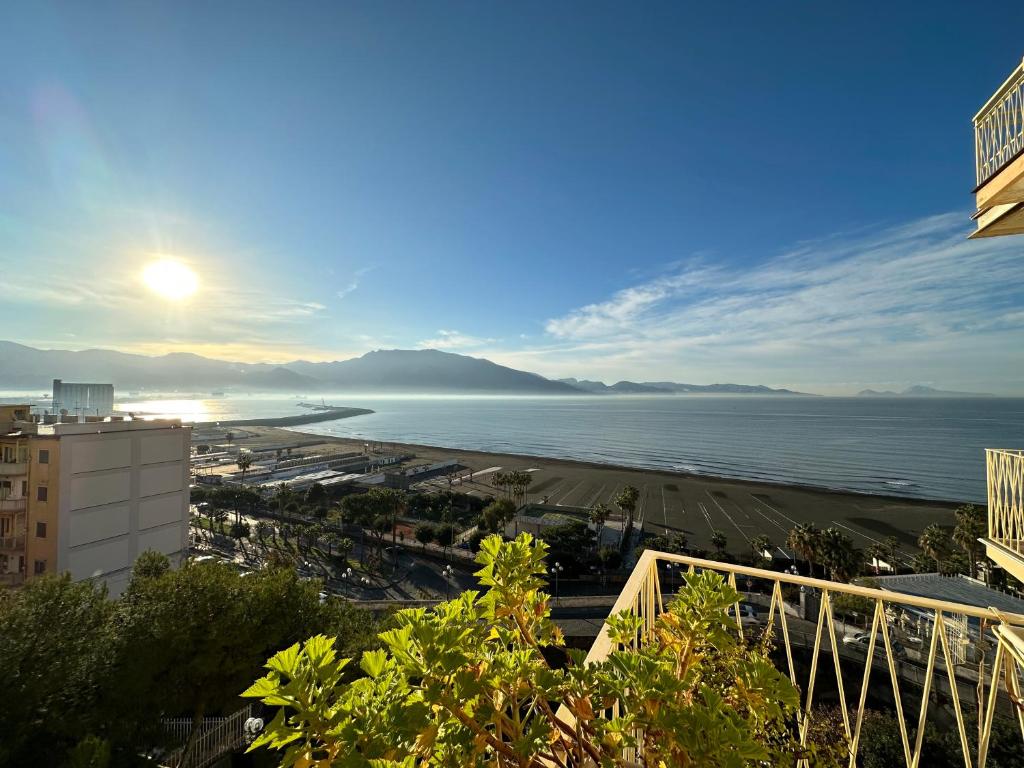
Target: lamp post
[
  {"x": 556, "y": 569},
  {"x": 448, "y": 572},
  {"x": 671, "y": 568}
]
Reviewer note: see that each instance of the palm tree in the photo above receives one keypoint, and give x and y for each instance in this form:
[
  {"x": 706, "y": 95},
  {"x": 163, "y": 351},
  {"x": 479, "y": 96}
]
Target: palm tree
[
  {"x": 934, "y": 541},
  {"x": 263, "y": 528},
  {"x": 805, "y": 541},
  {"x": 626, "y": 501},
  {"x": 838, "y": 554},
  {"x": 760, "y": 545},
  {"x": 970, "y": 526},
  {"x": 719, "y": 542},
  {"x": 243, "y": 462},
  {"x": 877, "y": 553}
]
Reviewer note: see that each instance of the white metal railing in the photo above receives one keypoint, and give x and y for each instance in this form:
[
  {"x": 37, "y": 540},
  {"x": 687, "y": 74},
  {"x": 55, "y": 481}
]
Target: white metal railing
[
  {"x": 217, "y": 736},
  {"x": 1005, "y": 478},
  {"x": 961, "y": 651},
  {"x": 999, "y": 127}
]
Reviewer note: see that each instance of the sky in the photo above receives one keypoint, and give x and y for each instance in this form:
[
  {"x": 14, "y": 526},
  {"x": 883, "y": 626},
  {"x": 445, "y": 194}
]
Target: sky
[{"x": 762, "y": 193}]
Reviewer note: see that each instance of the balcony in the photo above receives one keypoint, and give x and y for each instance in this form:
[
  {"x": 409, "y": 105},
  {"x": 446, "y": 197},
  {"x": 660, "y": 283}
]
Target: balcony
[
  {"x": 12, "y": 504},
  {"x": 999, "y": 160},
  {"x": 1005, "y": 542},
  {"x": 12, "y": 543},
  {"x": 13, "y": 468},
  {"x": 12, "y": 579},
  {"x": 915, "y": 650}
]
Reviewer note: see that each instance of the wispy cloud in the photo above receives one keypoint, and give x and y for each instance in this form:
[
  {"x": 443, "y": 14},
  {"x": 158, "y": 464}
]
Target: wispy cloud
[
  {"x": 918, "y": 300},
  {"x": 353, "y": 284},
  {"x": 454, "y": 340}
]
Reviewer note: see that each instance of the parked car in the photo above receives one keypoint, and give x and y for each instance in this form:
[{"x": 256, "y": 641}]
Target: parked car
[{"x": 862, "y": 640}]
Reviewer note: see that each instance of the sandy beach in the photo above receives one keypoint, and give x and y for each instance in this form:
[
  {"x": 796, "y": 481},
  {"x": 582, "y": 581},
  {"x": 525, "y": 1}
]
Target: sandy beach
[{"x": 670, "y": 502}]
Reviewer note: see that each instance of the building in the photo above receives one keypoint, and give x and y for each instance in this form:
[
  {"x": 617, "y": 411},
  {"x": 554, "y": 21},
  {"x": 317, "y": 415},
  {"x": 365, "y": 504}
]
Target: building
[
  {"x": 87, "y": 496},
  {"x": 999, "y": 160},
  {"x": 83, "y": 399}
]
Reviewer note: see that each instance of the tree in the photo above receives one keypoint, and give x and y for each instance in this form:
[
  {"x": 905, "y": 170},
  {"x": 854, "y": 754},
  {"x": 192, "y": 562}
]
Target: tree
[
  {"x": 263, "y": 530},
  {"x": 599, "y": 515},
  {"x": 759, "y": 545},
  {"x": 445, "y": 533},
  {"x": 498, "y": 513},
  {"x": 150, "y": 565},
  {"x": 187, "y": 639},
  {"x": 467, "y": 683},
  {"x": 971, "y": 525},
  {"x": 425, "y": 534},
  {"x": 316, "y": 499},
  {"x": 202, "y": 449},
  {"x": 229, "y": 437},
  {"x": 55, "y": 646},
  {"x": 839, "y": 556},
  {"x": 935, "y": 542},
  {"x": 805, "y": 541},
  {"x": 626, "y": 500},
  {"x": 719, "y": 542}
]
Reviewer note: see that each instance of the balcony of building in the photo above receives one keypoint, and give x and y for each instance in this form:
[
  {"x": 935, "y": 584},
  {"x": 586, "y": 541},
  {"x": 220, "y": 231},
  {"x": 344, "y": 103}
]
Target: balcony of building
[
  {"x": 999, "y": 160},
  {"x": 10, "y": 504},
  {"x": 1005, "y": 542},
  {"x": 12, "y": 543},
  {"x": 918, "y": 653},
  {"x": 12, "y": 579},
  {"x": 8, "y": 468}
]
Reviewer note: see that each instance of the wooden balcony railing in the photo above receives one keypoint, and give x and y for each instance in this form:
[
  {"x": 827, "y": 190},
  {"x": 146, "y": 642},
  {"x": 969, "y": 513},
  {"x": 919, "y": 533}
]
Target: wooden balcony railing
[
  {"x": 965, "y": 654},
  {"x": 999, "y": 127}
]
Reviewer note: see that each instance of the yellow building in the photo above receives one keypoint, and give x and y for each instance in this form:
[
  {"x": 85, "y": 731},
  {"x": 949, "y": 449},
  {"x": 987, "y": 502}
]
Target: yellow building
[{"x": 88, "y": 496}]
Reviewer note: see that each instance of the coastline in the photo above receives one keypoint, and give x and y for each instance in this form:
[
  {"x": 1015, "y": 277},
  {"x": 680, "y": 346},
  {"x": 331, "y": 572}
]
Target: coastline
[
  {"x": 680, "y": 502},
  {"x": 287, "y": 421}
]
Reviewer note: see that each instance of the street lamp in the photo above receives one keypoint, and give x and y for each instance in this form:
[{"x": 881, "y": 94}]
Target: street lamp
[
  {"x": 671, "y": 567},
  {"x": 556, "y": 569},
  {"x": 448, "y": 572}
]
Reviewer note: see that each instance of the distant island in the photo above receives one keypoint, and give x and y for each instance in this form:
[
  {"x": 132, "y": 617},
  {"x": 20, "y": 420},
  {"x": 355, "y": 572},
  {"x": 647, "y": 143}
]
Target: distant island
[
  {"x": 920, "y": 390},
  {"x": 673, "y": 388},
  {"x": 391, "y": 371}
]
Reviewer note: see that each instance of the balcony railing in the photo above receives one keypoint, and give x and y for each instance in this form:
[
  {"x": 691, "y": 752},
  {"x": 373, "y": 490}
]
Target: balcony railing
[
  {"x": 10, "y": 543},
  {"x": 12, "y": 579},
  {"x": 999, "y": 127},
  {"x": 1005, "y": 476},
  {"x": 966, "y": 654},
  {"x": 13, "y": 467},
  {"x": 12, "y": 503}
]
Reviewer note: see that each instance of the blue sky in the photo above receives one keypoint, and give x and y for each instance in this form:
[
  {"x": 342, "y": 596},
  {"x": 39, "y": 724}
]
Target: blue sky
[{"x": 767, "y": 193}]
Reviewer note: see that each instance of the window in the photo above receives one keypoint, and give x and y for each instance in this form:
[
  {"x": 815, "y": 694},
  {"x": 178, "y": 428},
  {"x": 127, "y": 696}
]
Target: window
[
  {"x": 40, "y": 530},
  {"x": 40, "y": 567},
  {"x": 44, "y": 456},
  {"x": 41, "y": 493}
]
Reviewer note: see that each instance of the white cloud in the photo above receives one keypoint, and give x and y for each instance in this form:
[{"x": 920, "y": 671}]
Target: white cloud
[
  {"x": 453, "y": 340},
  {"x": 916, "y": 302},
  {"x": 353, "y": 284}
]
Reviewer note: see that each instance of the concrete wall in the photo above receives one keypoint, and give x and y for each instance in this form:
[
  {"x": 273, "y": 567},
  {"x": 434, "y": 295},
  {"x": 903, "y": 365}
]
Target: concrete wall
[{"x": 123, "y": 490}]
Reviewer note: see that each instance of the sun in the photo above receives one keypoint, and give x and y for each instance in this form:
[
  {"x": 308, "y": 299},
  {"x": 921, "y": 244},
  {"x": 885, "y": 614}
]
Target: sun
[{"x": 170, "y": 279}]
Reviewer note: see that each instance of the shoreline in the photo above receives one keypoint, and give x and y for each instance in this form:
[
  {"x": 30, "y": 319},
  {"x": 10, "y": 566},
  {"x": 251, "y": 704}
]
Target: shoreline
[{"x": 674, "y": 501}]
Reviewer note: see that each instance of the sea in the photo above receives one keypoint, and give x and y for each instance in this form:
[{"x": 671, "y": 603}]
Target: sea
[{"x": 925, "y": 448}]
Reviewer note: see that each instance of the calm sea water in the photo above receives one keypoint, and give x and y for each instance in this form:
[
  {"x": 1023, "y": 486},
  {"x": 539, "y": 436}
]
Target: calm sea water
[{"x": 922, "y": 448}]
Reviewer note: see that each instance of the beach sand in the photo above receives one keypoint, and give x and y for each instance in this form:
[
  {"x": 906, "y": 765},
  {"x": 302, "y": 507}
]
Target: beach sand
[{"x": 670, "y": 502}]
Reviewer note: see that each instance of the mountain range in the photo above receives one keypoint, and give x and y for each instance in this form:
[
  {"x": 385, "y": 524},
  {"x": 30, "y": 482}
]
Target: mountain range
[
  {"x": 394, "y": 370},
  {"x": 919, "y": 390}
]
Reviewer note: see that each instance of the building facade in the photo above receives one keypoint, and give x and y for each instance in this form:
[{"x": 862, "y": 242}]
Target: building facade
[
  {"x": 87, "y": 497},
  {"x": 83, "y": 399}
]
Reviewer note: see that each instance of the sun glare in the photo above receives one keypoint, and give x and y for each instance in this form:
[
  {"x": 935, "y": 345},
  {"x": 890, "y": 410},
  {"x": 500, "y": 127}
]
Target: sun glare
[{"x": 170, "y": 279}]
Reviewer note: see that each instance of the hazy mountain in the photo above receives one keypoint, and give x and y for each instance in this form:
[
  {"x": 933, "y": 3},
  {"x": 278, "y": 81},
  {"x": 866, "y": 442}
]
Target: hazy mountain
[
  {"x": 621, "y": 387},
  {"x": 672, "y": 387},
  {"x": 426, "y": 370},
  {"x": 24, "y": 367},
  {"x": 920, "y": 390},
  {"x": 394, "y": 370}
]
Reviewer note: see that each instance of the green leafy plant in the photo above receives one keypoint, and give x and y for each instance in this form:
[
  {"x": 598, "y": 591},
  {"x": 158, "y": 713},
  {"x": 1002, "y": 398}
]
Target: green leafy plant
[{"x": 467, "y": 684}]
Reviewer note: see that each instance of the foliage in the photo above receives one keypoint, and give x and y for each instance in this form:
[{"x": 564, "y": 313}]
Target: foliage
[
  {"x": 719, "y": 542},
  {"x": 805, "y": 540},
  {"x": 55, "y": 650},
  {"x": 971, "y": 525},
  {"x": 467, "y": 684},
  {"x": 498, "y": 513},
  {"x": 425, "y": 533},
  {"x": 569, "y": 541},
  {"x": 936, "y": 543},
  {"x": 838, "y": 555}
]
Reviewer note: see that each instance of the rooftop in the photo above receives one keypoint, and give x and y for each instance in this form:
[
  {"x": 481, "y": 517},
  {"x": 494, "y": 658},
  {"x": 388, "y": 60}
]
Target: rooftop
[{"x": 957, "y": 589}]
